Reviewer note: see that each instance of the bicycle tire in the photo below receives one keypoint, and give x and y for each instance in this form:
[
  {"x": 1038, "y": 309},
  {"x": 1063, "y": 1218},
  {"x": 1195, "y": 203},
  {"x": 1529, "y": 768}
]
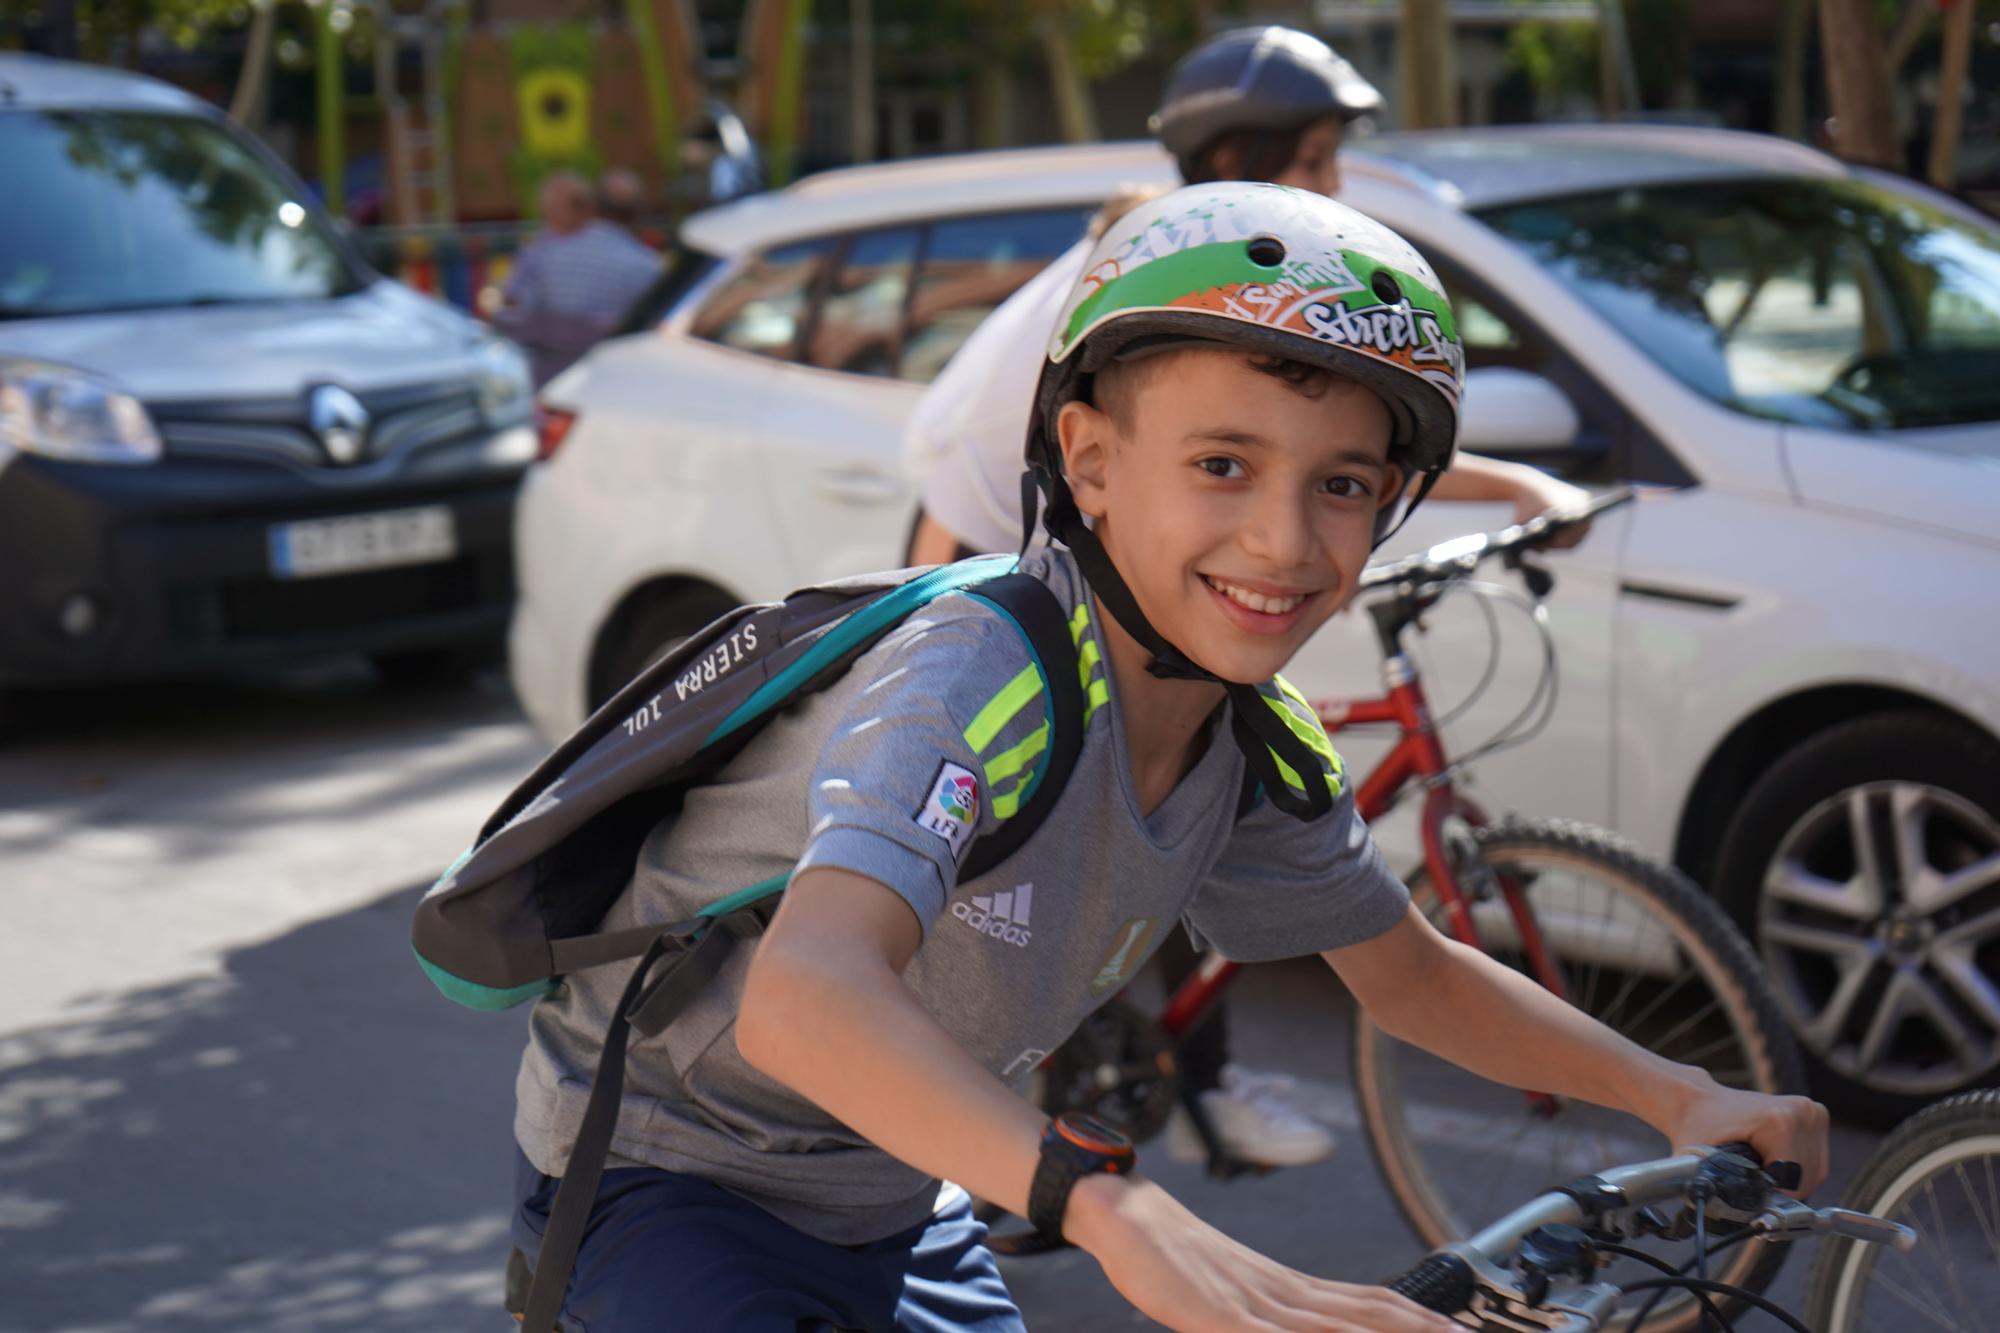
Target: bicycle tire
[
  {"x": 1670, "y": 934},
  {"x": 1899, "y": 1182}
]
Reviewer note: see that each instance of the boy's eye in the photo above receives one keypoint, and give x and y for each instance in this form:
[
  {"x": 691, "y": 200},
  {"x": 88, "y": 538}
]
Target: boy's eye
[
  {"x": 1220, "y": 467},
  {"x": 1346, "y": 487}
]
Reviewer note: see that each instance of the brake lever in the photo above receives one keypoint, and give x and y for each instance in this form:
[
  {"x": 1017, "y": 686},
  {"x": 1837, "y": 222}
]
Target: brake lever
[
  {"x": 1788, "y": 1217},
  {"x": 1539, "y": 581}
]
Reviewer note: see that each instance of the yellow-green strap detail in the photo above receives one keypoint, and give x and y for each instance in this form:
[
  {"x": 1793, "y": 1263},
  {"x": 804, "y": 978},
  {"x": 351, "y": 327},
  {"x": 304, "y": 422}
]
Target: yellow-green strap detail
[
  {"x": 1008, "y": 803},
  {"x": 1311, "y": 733},
  {"x": 1087, "y": 659},
  {"x": 1079, "y": 622},
  {"x": 1001, "y": 708},
  {"x": 1012, "y": 760},
  {"x": 1098, "y": 695}
]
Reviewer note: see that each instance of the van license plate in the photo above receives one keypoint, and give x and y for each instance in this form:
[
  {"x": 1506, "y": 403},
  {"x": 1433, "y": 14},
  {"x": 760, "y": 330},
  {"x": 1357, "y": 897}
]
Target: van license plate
[{"x": 363, "y": 541}]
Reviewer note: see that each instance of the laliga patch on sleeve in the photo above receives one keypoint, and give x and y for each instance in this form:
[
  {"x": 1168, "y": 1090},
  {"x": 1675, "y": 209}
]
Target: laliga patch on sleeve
[{"x": 952, "y": 809}]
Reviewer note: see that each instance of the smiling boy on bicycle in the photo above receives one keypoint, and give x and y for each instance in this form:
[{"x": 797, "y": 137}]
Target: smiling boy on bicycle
[{"x": 1245, "y": 384}]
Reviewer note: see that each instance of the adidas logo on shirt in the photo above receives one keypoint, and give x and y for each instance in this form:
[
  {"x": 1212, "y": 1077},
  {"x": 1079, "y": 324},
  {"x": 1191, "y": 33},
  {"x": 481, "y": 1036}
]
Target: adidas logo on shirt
[{"x": 1004, "y": 916}]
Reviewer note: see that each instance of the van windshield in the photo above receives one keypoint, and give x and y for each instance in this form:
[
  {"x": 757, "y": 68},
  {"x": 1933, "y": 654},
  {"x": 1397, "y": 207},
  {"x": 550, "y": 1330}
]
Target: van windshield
[
  {"x": 128, "y": 210},
  {"x": 1843, "y": 304}
]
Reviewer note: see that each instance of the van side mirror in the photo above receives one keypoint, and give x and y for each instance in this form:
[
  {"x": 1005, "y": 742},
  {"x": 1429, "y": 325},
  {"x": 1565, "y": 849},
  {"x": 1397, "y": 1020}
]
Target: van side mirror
[{"x": 1509, "y": 411}]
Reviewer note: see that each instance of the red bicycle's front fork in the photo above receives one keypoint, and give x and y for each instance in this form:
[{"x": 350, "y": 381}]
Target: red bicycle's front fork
[{"x": 1440, "y": 804}]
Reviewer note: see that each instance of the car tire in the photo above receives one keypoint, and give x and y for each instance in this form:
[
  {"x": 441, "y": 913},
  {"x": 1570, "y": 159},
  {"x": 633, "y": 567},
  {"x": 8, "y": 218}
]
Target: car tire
[
  {"x": 649, "y": 632},
  {"x": 1856, "y": 865}
]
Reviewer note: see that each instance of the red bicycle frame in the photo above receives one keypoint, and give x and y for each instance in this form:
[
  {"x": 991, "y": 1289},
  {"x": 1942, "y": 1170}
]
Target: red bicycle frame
[{"x": 1417, "y": 757}]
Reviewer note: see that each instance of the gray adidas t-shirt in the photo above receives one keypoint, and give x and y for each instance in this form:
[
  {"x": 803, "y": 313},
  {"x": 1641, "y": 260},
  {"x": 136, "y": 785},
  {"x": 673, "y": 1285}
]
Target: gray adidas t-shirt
[{"x": 890, "y": 773}]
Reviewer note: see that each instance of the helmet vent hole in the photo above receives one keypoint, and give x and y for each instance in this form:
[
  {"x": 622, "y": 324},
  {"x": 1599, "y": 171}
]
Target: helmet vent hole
[
  {"x": 1386, "y": 288},
  {"x": 1267, "y": 251}
]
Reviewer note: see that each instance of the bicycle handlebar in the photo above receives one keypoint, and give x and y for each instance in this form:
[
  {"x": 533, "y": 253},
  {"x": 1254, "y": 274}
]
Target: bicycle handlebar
[
  {"x": 1507, "y": 1265},
  {"x": 1461, "y": 555}
]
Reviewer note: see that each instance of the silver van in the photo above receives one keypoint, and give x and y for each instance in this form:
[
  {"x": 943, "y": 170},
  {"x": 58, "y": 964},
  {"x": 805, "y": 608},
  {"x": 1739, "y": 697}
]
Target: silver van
[{"x": 223, "y": 438}]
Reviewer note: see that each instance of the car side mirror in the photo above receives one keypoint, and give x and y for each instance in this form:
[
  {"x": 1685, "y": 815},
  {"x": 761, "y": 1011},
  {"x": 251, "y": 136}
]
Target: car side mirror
[{"x": 1509, "y": 411}]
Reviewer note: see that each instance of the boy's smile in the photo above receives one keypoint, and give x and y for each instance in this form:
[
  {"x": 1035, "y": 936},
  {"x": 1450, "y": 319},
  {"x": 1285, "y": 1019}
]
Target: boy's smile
[{"x": 1238, "y": 504}]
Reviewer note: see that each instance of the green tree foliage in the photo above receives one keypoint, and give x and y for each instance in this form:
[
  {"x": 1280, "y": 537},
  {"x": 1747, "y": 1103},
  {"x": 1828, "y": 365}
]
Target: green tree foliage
[{"x": 963, "y": 37}]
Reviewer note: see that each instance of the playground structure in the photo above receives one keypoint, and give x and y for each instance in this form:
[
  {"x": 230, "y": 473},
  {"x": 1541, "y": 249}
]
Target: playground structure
[{"x": 481, "y": 100}]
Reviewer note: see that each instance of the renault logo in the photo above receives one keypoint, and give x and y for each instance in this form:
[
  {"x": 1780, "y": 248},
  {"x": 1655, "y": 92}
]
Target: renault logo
[{"x": 340, "y": 421}]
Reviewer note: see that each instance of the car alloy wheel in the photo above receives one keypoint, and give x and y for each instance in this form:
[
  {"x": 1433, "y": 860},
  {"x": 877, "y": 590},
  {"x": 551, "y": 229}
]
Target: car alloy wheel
[{"x": 1879, "y": 922}]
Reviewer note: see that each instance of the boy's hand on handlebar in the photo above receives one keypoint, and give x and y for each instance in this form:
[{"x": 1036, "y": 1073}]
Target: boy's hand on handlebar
[
  {"x": 1180, "y": 1271},
  {"x": 1790, "y": 1129},
  {"x": 1537, "y": 493}
]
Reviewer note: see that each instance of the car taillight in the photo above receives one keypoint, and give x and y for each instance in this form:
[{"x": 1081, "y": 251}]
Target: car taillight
[{"x": 552, "y": 427}]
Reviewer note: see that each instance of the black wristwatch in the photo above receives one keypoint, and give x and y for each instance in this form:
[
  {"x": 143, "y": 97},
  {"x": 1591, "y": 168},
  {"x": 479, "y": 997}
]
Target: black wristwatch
[{"x": 1075, "y": 1144}]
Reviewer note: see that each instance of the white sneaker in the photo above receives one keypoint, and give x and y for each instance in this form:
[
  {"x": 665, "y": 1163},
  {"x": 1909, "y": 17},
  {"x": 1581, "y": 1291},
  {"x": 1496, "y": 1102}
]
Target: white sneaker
[{"x": 1256, "y": 1122}]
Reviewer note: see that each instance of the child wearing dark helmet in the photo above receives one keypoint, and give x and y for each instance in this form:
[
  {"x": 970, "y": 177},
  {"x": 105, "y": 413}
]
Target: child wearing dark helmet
[{"x": 1235, "y": 395}]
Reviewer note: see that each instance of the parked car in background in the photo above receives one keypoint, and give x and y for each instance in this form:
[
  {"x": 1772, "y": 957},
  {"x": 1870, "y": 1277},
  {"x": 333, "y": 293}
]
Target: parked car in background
[
  {"x": 1784, "y": 676},
  {"x": 224, "y": 439}
]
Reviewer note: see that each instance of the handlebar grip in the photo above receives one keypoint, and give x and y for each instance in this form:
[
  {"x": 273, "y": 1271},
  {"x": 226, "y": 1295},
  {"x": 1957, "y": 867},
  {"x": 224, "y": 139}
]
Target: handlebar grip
[
  {"x": 1443, "y": 1283},
  {"x": 1785, "y": 1175}
]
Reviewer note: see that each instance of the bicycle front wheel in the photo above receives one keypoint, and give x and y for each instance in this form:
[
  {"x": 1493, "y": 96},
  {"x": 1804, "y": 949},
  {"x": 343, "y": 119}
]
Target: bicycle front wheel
[
  {"x": 1640, "y": 949},
  {"x": 1939, "y": 1173}
]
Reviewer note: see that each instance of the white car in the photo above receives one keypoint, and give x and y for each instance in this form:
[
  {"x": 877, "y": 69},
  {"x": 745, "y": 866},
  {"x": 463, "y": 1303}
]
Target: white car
[{"x": 1784, "y": 677}]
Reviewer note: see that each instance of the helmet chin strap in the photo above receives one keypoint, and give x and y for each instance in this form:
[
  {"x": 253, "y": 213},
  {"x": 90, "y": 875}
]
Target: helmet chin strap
[
  {"x": 1265, "y": 738},
  {"x": 1430, "y": 480}
]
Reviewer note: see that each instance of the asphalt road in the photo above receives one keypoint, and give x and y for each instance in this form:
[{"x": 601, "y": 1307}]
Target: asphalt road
[{"x": 229, "y": 1100}]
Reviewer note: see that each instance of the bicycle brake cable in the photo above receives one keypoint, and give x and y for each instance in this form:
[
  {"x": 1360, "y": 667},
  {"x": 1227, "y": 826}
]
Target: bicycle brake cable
[{"x": 1728, "y": 1289}]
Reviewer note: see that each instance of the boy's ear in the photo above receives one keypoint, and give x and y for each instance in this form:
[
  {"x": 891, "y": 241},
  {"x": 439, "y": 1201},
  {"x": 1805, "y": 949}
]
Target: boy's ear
[
  {"x": 1086, "y": 434},
  {"x": 1394, "y": 483}
]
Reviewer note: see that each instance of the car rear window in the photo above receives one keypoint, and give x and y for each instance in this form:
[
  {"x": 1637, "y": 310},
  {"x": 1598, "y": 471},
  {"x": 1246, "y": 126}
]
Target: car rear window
[
  {"x": 971, "y": 265},
  {"x": 893, "y": 302}
]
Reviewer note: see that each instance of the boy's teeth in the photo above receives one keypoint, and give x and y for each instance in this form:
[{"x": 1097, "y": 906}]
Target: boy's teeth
[{"x": 1270, "y": 606}]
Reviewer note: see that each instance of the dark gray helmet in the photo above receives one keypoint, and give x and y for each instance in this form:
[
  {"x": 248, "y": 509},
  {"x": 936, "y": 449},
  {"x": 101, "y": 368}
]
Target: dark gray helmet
[{"x": 1270, "y": 78}]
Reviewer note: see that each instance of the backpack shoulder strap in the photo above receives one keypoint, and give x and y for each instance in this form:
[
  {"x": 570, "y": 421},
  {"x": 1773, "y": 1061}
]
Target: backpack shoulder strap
[{"x": 1027, "y": 601}]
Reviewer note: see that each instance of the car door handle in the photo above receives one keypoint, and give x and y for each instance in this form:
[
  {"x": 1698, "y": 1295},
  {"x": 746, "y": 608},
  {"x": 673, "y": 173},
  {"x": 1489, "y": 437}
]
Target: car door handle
[{"x": 859, "y": 485}]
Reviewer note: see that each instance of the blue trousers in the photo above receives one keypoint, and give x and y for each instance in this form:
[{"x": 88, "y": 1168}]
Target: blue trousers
[{"x": 667, "y": 1252}]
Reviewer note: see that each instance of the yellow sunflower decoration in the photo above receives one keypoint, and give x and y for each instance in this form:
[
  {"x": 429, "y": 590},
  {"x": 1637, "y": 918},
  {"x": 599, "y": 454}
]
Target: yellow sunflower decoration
[{"x": 551, "y": 66}]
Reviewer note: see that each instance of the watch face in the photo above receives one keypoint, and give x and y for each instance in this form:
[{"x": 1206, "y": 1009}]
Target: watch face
[{"x": 1090, "y": 1132}]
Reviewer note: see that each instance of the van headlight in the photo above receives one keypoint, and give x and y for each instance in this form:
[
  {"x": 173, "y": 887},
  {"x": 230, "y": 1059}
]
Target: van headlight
[
  {"x": 505, "y": 393},
  {"x": 61, "y": 412}
]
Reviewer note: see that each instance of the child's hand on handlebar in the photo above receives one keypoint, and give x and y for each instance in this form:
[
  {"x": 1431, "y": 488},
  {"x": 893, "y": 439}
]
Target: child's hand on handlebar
[
  {"x": 1184, "y": 1273},
  {"x": 1792, "y": 1129},
  {"x": 1537, "y": 493}
]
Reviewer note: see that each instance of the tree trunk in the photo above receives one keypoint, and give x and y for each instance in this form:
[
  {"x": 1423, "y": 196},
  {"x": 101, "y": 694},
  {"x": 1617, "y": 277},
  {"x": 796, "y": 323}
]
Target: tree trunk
[
  {"x": 1427, "y": 66},
  {"x": 1618, "y": 77},
  {"x": 1789, "y": 110},
  {"x": 1950, "y": 121},
  {"x": 246, "y": 108},
  {"x": 1079, "y": 117},
  {"x": 1857, "y": 76},
  {"x": 996, "y": 105},
  {"x": 861, "y": 78},
  {"x": 1917, "y": 16}
]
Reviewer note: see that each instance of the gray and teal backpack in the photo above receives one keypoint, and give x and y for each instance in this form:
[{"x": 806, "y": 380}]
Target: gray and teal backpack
[{"x": 522, "y": 907}]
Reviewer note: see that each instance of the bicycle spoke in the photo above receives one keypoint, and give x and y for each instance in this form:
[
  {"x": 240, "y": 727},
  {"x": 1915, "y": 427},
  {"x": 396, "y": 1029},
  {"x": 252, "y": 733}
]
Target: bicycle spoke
[
  {"x": 1639, "y": 1019},
  {"x": 1937, "y": 1315},
  {"x": 1661, "y": 1046},
  {"x": 1986, "y": 1226},
  {"x": 1632, "y": 977},
  {"x": 1701, "y": 1056},
  {"x": 1944, "y": 1246}
]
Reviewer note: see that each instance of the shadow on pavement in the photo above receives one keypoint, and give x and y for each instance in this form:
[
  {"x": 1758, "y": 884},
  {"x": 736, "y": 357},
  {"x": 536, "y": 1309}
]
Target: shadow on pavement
[{"x": 314, "y": 1140}]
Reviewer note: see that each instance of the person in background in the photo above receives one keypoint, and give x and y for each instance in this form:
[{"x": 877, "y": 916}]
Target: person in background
[
  {"x": 573, "y": 282},
  {"x": 621, "y": 199},
  {"x": 1256, "y": 104}
]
